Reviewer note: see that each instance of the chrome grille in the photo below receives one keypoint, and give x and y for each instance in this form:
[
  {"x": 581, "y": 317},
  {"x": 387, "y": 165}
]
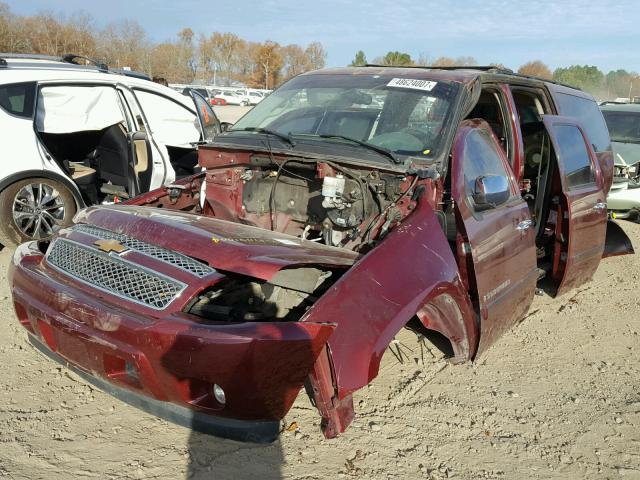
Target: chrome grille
[
  {"x": 113, "y": 275},
  {"x": 183, "y": 262}
]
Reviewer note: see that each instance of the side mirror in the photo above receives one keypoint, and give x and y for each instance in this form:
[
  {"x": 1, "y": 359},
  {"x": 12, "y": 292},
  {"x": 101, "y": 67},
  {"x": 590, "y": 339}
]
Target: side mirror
[
  {"x": 224, "y": 126},
  {"x": 491, "y": 191}
]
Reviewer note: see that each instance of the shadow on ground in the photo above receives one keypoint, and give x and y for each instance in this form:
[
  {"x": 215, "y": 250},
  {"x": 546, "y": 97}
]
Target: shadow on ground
[{"x": 213, "y": 458}]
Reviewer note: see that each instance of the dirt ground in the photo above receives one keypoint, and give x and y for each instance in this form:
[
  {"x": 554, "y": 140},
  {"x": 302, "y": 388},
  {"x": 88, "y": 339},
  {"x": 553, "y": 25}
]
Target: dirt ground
[
  {"x": 230, "y": 113},
  {"x": 556, "y": 398}
]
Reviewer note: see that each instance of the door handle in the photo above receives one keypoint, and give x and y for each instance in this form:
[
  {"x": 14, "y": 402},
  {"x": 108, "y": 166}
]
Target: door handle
[
  {"x": 600, "y": 206},
  {"x": 525, "y": 225}
]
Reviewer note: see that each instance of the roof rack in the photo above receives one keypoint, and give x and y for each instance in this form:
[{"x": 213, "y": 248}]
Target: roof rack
[
  {"x": 34, "y": 56},
  {"x": 483, "y": 68},
  {"x": 72, "y": 59}
]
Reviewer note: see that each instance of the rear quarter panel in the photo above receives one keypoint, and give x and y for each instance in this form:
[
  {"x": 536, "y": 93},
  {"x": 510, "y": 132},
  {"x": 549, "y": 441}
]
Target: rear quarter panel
[{"x": 20, "y": 148}]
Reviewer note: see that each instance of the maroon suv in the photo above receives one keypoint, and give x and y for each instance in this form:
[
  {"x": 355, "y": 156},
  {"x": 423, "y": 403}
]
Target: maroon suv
[{"x": 349, "y": 204}]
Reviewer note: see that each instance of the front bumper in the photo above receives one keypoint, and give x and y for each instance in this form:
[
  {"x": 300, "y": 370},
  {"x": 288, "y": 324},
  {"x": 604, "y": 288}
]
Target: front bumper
[
  {"x": 167, "y": 364},
  {"x": 242, "y": 430}
]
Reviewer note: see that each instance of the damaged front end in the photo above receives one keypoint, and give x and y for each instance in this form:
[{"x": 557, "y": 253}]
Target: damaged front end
[
  {"x": 209, "y": 306},
  {"x": 283, "y": 264},
  {"x": 217, "y": 349}
]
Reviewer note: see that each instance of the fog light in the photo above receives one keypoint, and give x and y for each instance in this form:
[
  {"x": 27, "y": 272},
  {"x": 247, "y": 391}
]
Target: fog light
[{"x": 218, "y": 392}]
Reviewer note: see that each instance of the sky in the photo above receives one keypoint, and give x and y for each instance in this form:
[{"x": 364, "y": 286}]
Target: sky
[{"x": 511, "y": 32}]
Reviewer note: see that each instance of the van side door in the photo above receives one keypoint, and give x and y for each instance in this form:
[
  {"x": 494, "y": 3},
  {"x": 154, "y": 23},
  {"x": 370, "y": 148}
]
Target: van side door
[
  {"x": 157, "y": 171},
  {"x": 497, "y": 234},
  {"x": 581, "y": 212}
]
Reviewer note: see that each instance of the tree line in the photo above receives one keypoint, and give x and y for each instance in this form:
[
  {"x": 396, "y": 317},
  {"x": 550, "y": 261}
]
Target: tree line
[
  {"x": 218, "y": 58},
  {"x": 224, "y": 58},
  {"x": 614, "y": 84}
]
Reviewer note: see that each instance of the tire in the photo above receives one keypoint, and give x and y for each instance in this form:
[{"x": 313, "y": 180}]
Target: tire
[
  {"x": 23, "y": 217},
  {"x": 243, "y": 103}
]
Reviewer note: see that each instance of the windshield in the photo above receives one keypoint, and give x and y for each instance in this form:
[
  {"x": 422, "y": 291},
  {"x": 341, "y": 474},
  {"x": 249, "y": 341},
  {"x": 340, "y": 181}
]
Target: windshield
[
  {"x": 406, "y": 116},
  {"x": 623, "y": 126}
]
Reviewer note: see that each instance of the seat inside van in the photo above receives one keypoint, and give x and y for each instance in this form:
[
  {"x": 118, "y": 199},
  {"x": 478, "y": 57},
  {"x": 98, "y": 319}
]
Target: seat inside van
[
  {"x": 93, "y": 159},
  {"x": 83, "y": 128}
]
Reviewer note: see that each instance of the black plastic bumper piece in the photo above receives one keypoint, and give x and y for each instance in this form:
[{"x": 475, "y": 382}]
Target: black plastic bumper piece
[{"x": 241, "y": 430}]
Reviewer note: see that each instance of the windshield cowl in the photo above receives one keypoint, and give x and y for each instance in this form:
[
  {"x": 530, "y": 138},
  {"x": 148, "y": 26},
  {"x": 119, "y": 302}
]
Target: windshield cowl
[
  {"x": 625, "y": 140},
  {"x": 307, "y": 149},
  {"x": 307, "y": 145}
]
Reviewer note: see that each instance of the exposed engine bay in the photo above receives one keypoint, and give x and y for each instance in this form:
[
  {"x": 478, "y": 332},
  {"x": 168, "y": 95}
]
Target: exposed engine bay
[
  {"x": 350, "y": 207},
  {"x": 313, "y": 200}
]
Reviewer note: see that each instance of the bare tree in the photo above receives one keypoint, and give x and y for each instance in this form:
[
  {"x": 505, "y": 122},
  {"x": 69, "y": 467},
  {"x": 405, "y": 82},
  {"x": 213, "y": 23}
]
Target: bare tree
[
  {"x": 125, "y": 44},
  {"x": 247, "y": 67},
  {"x": 316, "y": 55},
  {"x": 270, "y": 60},
  {"x": 536, "y": 68},
  {"x": 205, "y": 59},
  {"x": 454, "y": 62},
  {"x": 424, "y": 59},
  {"x": 187, "y": 64},
  {"x": 295, "y": 61}
]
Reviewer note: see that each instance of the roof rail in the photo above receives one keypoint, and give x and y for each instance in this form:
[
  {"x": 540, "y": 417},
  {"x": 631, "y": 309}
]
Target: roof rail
[
  {"x": 34, "y": 56},
  {"x": 71, "y": 58},
  {"x": 483, "y": 68}
]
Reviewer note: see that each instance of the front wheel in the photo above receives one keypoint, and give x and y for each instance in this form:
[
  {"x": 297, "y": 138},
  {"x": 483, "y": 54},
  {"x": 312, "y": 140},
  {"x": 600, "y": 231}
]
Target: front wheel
[{"x": 33, "y": 209}]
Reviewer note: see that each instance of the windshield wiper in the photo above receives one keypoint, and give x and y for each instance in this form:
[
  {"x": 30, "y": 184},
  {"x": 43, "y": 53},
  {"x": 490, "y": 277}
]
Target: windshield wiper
[
  {"x": 281, "y": 136},
  {"x": 375, "y": 148},
  {"x": 625, "y": 140}
]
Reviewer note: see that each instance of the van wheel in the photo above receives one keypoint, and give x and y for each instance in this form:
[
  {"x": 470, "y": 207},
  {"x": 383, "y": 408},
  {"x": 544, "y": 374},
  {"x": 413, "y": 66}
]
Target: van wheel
[{"x": 33, "y": 209}]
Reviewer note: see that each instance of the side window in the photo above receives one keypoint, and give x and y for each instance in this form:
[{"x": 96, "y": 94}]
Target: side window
[
  {"x": 530, "y": 105},
  {"x": 78, "y": 108},
  {"x": 481, "y": 158},
  {"x": 588, "y": 113},
  {"x": 623, "y": 126},
  {"x": 130, "y": 101},
  {"x": 208, "y": 120},
  {"x": 170, "y": 122},
  {"x": 17, "y": 99},
  {"x": 573, "y": 152},
  {"x": 490, "y": 108}
]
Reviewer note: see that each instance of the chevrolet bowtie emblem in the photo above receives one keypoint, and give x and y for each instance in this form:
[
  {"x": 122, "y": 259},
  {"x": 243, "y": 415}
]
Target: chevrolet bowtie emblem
[{"x": 110, "y": 246}]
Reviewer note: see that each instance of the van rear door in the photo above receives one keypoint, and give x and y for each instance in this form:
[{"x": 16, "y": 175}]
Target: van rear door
[{"x": 581, "y": 209}]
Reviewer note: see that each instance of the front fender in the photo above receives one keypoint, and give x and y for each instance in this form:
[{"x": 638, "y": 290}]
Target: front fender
[{"x": 412, "y": 272}]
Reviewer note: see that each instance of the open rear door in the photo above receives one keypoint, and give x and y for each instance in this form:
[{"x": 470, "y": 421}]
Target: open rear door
[{"x": 581, "y": 209}]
